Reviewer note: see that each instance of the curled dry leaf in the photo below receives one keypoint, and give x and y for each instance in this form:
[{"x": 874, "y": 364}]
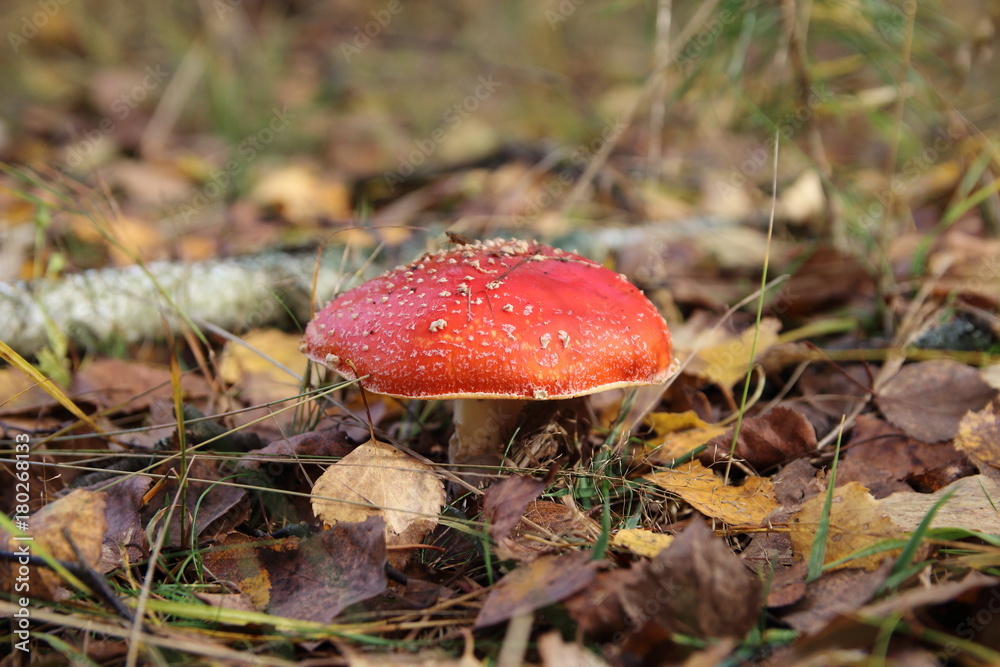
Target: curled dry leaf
[
  {"x": 696, "y": 587},
  {"x": 979, "y": 435},
  {"x": 546, "y": 527},
  {"x": 376, "y": 479},
  {"x": 929, "y": 399},
  {"x": 746, "y": 505},
  {"x": 125, "y": 540},
  {"x": 856, "y": 521},
  {"x": 780, "y": 435}
]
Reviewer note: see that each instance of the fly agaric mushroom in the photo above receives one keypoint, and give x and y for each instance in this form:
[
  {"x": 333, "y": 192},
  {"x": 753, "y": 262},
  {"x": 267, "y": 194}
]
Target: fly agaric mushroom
[{"x": 492, "y": 324}]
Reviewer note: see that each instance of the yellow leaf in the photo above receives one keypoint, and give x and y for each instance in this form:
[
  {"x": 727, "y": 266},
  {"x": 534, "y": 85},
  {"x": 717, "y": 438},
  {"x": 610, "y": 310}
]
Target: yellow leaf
[
  {"x": 727, "y": 362},
  {"x": 641, "y": 541},
  {"x": 259, "y": 378},
  {"x": 745, "y": 505},
  {"x": 856, "y": 522},
  {"x": 677, "y": 433}
]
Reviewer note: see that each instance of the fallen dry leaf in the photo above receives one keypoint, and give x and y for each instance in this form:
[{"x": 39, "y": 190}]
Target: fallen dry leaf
[
  {"x": 725, "y": 358},
  {"x": 542, "y": 582},
  {"x": 979, "y": 435},
  {"x": 928, "y": 399},
  {"x": 856, "y": 521},
  {"x": 881, "y": 457},
  {"x": 746, "y": 505},
  {"x": 312, "y": 578},
  {"x": 826, "y": 279},
  {"x": 215, "y": 508},
  {"x": 780, "y": 435},
  {"x": 78, "y": 519},
  {"x": 970, "y": 507},
  {"x": 834, "y": 594},
  {"x": 124, "y": 541},
  {"x": 376, "y": 479},
  {"x": 504, "y": 502},
  {"x": 130, "y": 386},
  {"x": 696, "y": 587},
  {"x": 677, "y": 433},
  {"x": 641, "y": 541},
  {"x": 546, "y": 527},
  {"x": 259, "y": 379}
]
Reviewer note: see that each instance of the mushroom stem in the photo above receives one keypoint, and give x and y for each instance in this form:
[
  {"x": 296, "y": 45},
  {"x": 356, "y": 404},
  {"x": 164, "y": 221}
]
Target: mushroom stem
[{"x": 482, "y": 429}]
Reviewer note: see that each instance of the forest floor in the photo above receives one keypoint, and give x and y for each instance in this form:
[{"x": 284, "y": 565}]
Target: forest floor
[{"x": 808, "y": 193}]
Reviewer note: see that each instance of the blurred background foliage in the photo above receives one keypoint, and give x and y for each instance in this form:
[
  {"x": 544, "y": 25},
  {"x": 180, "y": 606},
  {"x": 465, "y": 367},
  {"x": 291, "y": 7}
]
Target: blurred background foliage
[{"x": 887, "y": 111}]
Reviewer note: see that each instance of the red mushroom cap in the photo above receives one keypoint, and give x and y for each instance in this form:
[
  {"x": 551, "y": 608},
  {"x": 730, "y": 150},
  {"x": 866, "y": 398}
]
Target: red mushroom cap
[{"x": 494, "y": 319}]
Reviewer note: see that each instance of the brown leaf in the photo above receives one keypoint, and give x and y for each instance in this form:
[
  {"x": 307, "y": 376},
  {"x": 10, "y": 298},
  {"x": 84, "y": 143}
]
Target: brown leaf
[
  {"x": 293, "y": 464},
  {"x": 796, "y": 483},
  {"x": 928, "y": 399},
  {"x": 856, "y": 522},
  {"x": 825, "y": 280},
  {"x": 544, "y": 529},
  {"x": 833, "y": 594},
  {"x": 312, "y": 579},
  {"x": 979, "y": 435},
  {"x": 880, "y": 457},
  {"x": 504, "y": 503},
  {"x": 697, "y": 587},
  {"x": 542, "y": 582},
  {"x": 125, "y": 538},
  {"x": 215, "y": 508},
  {"x": 130, "y": 386},
  {"x": 779, "y": 435},
  {"x": 746, "y": 505}
]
